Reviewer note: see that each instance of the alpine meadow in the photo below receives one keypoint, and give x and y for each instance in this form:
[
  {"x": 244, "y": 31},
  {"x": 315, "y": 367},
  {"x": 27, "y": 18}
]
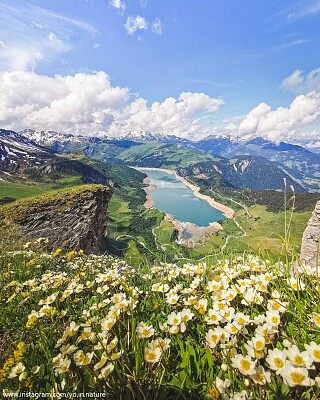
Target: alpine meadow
[{"x": 160, "y": 200}]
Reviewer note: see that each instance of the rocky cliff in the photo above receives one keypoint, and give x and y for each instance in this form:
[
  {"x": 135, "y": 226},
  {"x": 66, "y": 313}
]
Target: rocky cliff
[
  {"x": 72, "y": 218},
  {"x": 310, "y": 248}
]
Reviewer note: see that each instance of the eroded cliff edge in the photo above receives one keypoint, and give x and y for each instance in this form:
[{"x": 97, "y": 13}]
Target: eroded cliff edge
[
  {"x": 72, "y": 218},
  {"x": 310, "y": 247}
]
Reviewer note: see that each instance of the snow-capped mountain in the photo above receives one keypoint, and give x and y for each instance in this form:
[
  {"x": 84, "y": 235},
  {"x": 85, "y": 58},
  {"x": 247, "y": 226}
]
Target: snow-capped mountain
[
  {"x": 144, "y": 136},
  {"x": 23, "y": 159},
  {"x": 18, "y": 153}
]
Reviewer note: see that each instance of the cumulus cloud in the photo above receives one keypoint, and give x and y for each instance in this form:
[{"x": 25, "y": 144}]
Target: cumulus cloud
[
  {"x": 172, "y": 116},
  {"x": 134, "y": 24},
  {"x": 118, "y": 4},
  {"x": 80, "y": 103},
  {"x": 285, "y": 123},
  {"x": 90, "y": 104},
  {"x": 298, "y": 82}
]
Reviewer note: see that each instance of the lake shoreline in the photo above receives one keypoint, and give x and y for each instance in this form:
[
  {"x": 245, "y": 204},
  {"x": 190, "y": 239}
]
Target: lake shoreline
[
  {"x": 189, "y": 234},
  {"x": 149, "y": 203},
  {"x": 227, "y": 211}
]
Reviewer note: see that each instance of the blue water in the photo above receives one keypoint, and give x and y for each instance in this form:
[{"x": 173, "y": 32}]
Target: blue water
[{"x": 175, "y": 198}]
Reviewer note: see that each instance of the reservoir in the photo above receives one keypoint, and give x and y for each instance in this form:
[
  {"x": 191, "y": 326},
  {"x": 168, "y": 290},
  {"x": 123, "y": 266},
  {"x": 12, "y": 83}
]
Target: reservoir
[{"x": 173, "y": 197}]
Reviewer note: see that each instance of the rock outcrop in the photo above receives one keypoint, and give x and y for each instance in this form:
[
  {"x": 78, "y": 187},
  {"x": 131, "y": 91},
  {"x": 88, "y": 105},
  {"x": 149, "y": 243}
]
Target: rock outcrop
[
  {"x": 71, "y": 219},
  {"x": 310, "y": 248}
]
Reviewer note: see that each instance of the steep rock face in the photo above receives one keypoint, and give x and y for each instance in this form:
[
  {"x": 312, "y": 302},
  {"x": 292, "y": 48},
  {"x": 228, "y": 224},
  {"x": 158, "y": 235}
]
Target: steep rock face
[
  {"x": 72, "y": 219},
  {"x": 310, "y": 248}
]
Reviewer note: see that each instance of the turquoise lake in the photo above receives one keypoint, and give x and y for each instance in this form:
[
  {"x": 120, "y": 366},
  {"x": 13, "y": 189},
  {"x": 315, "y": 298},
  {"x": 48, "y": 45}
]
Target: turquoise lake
[{"x": 173, "y": 197}]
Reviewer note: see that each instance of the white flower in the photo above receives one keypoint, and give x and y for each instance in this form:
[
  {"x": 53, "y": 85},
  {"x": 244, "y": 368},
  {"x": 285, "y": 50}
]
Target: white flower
[
  {"x": 221, "y": 385},
  {"x": 16, "y": 370},
  {"x": 72, "y": 329},
  {"x": 295, "y": 376},
  {"x": 296, "y": 284},
  {"x": 107, "y": 323},
  {"x": 152, "y": 355},
  {"x": 316, "y": 319},
  {"x": 101, "y": 363},
  {"x": 244, "y": 364},
  {"x": 163, "y": 344},
  {"x": 241, "y": 319},
  {"x": 261, "y": 377},
  {"x": 186, "y": 315},
  {"x": 144, "y": 331},
  {"x": 276, "y": 359},
  {"x": 63, "y": 366},
  {"x": 314, "y": 351},
  {"x": 299, "y": 359},
  {"x": 81, "y": 358},
  {"x": 212, "y": 338},
  {"x": 273, "y": 318},
  {"x": 68, "y": 349},
  {"x": 172, "y": 298},
  {"x": 174, "y": 319},
  {"x": 213, "y": 317},
  {"x": 106, "y": 371}
]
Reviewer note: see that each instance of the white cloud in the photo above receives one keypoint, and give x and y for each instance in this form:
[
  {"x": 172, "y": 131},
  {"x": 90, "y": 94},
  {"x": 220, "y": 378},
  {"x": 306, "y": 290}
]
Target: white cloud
[
  {"x": 293, "y": 80},
  {"x": 285, "y": 123},
  {"x": 29, "y": 41},
  {"x": 297, "y": 82},
  {"x": 2, "y": 44},
  {"x": 137, "y": 23},
  {"x": 134, "y": 24},
  {"x": 79, "y": 103},
  {"x": 118, "y": 4},
  {"x": 172, "y": 116},
  {"x": 89, "y": 104},
  {"x": 157, "y": 27}
]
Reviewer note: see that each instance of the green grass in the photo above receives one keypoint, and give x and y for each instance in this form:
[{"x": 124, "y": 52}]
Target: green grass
[
  {"x": 19, "y": 190},
  {"x": 164, "y": 155},
  {"x": 87, "y": 324},
  {"x": 17, "y": 210},
  {"x": 265, "y": 231}
]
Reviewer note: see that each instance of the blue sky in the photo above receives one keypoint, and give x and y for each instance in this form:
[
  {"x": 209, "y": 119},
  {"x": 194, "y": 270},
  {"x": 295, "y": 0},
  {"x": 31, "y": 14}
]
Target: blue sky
[{"x": 240, "y": 51}]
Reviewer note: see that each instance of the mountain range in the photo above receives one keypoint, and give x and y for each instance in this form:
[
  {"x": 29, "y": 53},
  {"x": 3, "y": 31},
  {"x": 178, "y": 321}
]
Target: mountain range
[{"x": 252, "y": 164}]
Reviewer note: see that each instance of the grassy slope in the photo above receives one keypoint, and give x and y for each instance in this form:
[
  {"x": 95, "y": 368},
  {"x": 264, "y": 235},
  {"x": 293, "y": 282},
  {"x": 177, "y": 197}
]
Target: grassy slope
[
  {"x": 169, "y": 155},
  {"x": 265, "y": 231},
  {"x": 19, "y": 190}
]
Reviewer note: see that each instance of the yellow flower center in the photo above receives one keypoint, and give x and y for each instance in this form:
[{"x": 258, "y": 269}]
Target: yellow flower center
[
  {"x": 260, "y": 378},
  {"x": 316, "y": 354},
  {"x": 297, "y": 378},
  {"x": 298, "y": 360},
  {"x": 259, "y": 345},
  {"x": 274, "y": 319},
  {"x": 278, "y": 362},
  {"x": 317, "y": 319},
  {"x": 214, "y": 338},
  {"x": 241, "y": 320},
  {"x": 150, "y": 356},
  {"x": 245, "y": 364}
]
